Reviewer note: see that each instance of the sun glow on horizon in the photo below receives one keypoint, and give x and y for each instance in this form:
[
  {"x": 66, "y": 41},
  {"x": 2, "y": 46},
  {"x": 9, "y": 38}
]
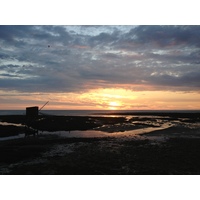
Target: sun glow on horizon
[
  {"x": 102, "y": 99},
  {"x": 114, "y": 105}
]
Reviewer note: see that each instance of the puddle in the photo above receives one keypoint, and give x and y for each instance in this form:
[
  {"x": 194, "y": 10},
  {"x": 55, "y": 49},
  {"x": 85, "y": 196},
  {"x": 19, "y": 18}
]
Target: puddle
[
  {"x": 129, "y": 129},
  {"x": 96, "y": 133},
  {"x": 71, "y": 134},
  {"x": 12, "y": 137},
  {"x": 10, "y": 124}
]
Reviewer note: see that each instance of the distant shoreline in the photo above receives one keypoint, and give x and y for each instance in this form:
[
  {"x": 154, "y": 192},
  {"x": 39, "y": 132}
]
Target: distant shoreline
[
  {"x": 157, "y": 113},
  {"x": 99, "y": 112}
]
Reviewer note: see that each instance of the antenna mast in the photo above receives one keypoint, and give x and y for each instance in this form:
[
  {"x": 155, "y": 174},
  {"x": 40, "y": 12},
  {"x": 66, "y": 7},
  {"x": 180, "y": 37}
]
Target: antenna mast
[{"x": 44, "y": 105}]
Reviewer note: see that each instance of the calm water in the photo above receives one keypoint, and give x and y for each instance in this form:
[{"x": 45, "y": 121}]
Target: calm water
[
  {"x": 163, "y": 124},
  {"x": 92, "y": 112}
]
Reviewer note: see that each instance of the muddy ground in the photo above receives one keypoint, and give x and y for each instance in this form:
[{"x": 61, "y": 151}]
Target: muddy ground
[{"x": 171, "y": 151}]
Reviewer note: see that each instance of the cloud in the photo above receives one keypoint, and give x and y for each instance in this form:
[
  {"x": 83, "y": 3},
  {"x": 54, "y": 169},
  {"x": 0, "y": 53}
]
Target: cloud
[
  {"x": 80, "y": 58},
  {"x": 165, "y": 36},
  {"x": 186, "y": 81}
]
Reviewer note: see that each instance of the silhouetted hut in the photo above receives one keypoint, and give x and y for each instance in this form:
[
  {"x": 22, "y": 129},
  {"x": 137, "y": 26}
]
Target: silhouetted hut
[
  {"x": 31, "y": 117},
  {"x": 32, "y": 112}
]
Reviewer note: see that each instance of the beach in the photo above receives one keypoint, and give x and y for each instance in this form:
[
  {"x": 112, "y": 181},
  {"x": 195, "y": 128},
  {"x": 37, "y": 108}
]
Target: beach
[{"x": 117, "y": 144}]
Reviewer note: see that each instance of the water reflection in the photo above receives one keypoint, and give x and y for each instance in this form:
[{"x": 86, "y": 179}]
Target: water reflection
[
  {"x": 10, "y": 124},
  {"x": 96, "y": 133},
  {"x": 133, "y": 126},
  {"x": 12, "y": 137}
]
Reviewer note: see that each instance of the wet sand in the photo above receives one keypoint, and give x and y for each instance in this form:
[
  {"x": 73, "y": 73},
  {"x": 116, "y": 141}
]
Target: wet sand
[{"x": 128, "y": 144}]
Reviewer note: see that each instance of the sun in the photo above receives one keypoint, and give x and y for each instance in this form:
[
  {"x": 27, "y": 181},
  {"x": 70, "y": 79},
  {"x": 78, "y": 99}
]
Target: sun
[{"x": 113, "y": 105}]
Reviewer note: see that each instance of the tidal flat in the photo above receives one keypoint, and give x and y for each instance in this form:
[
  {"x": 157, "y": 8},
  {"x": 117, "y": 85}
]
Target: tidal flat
[{"x": 125, "y": 144}]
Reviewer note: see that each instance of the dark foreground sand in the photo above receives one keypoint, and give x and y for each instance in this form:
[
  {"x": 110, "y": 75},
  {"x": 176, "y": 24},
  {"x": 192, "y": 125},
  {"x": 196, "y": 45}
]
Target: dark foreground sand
[{"x": 174, "y": 149}]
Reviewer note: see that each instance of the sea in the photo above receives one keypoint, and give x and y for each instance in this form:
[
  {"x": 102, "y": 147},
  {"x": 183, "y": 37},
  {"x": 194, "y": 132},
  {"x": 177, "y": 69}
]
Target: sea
[{"x": 93, "y": 112}]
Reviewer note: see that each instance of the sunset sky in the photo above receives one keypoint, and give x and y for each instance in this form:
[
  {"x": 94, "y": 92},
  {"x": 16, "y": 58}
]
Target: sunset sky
[{"x": 100, "y": 67}]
